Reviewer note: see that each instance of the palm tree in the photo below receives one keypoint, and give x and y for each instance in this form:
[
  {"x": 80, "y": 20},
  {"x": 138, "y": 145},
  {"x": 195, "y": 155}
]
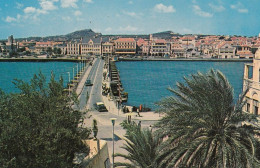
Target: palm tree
[
  {"x": 202, "y": 126},
  {"x": 140, "y": 145}
]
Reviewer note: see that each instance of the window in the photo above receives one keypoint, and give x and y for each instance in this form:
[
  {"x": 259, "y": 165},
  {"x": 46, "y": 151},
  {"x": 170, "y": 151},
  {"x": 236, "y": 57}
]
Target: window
[
  {"x": 248, "y": 107},
  {"x": 256, "y": 110},
  {"x": 255, "y": 103},
  {"x": 250, "y": 72}
]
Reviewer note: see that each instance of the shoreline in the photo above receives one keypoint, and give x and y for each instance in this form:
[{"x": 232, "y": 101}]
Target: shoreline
[
  {"x": 39, "y": 60},
  {"x": 186, "y": 59}
]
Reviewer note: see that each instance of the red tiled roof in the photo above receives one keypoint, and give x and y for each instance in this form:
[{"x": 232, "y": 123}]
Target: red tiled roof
[{"x": 160, "y": 41}]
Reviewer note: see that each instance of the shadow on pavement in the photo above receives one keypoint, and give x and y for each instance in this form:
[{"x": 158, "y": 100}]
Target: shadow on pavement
[{"x": 117, "y": 138}]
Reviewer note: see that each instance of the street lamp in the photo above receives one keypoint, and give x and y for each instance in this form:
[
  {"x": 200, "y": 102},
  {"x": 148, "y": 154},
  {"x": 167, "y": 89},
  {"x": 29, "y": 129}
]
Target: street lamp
[
  {"x": 69, "y": 82},
  {"x": 113, "y": 120},
  {"x": 77, "y": 69},
  {"x": 73, "y": 73}
]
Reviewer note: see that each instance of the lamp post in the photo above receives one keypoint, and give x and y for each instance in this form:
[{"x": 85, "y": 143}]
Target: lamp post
[
  {"x": 77, "y": 70},
  {"x": 113, "y": 120},
  {"x": 73, "y": 73},
  {"x": 69, "y": 82}
]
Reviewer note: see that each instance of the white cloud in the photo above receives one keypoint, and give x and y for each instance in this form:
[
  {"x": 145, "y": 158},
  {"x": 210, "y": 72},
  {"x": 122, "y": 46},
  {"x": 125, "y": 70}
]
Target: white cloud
[
  {"x": 239, "y": 7},
  {"x": 197, "y": 10},
  {"x": 19, "y": 5},
  {"x": 77, "y": 13},
  {"x": 29, "y": 9},
  {"x": 13, "y": 19},
  {"x": 130, "y": 2},
  {"x": 10, "y": 19},
  {"x": 69, "y": 3},
  {"x": 164, "y": 9},
  {"x": 88, "y": 1},
  {"x": 217, "y": 8},
  {"x": 128, "y": 29},
  {"x": 47, "y": 5}
]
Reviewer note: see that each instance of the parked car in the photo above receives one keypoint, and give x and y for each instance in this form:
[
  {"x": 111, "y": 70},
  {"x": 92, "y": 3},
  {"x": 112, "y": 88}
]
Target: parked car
[
  {"x": 88, "y": 83},
  {"x": 100, "y": 107}
]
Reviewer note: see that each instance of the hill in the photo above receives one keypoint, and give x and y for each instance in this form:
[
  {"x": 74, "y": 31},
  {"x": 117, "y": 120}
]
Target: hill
[
  {"x": 68, "y": 37},
  {"x": 88, "y": 33}
]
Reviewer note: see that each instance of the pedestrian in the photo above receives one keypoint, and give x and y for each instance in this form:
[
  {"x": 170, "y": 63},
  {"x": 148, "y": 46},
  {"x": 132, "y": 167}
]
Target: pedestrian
[
  {"x": 138, "y": 113},
  {"x": 139, "y": 124}
]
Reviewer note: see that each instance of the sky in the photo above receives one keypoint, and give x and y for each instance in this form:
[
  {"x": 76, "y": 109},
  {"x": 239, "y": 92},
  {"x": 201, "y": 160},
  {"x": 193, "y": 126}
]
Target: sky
[{"x": 26, "y": 18}]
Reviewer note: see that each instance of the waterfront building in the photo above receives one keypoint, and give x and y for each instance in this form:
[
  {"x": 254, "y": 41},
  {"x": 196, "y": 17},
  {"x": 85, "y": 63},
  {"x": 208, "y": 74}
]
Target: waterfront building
[
  {"x": 245, "y": 51},
  {"x": 107, "y": 48},
  {"x": 43, "y": 46},
  {"x": 91, "y": 46},
  {"x": 73, "y": 48},
  {"x": 252, "y": 83},
  {"x": 226, "y": 50},
  {"x": 160, "y": 48},
  {"x": 188, "y": 40},
  {"x": 143, "y": 47},
  {"x": 125, "y": 46},
  {"x": 146, "y": 47},
  {"x": 177, "y": 50}
]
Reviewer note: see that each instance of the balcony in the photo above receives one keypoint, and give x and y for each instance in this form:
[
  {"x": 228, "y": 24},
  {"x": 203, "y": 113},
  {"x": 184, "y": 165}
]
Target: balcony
[{"x": 251, "y": 84}]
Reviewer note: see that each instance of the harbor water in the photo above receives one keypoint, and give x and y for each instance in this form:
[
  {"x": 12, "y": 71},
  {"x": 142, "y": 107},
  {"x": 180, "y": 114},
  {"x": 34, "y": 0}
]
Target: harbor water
[
  {"x": 147, "y": 81},
  {"x": 26, "y": 70}
]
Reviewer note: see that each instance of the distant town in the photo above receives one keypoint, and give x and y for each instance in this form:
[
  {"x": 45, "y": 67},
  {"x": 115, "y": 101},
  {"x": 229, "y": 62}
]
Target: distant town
[{"x": 159, "y": 45}]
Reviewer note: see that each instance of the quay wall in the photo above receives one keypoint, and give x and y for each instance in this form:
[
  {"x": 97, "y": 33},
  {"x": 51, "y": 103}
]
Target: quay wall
[
  {"x": 185, "y": 59},
  {"x": 38, "y": 60}
]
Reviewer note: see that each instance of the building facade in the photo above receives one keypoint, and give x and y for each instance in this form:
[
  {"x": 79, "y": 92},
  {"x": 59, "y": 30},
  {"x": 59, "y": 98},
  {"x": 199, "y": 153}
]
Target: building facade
[
  {"x": 226, "y": 51},
  {"x": 107, "y": 49},
  {"x": 160, "y": 48},
  {"x": 91, "y": 47},
  {"x": 125, "y": 46},
  {"x": 252, "y": 83},
  {"x": 73, "y": 48}
]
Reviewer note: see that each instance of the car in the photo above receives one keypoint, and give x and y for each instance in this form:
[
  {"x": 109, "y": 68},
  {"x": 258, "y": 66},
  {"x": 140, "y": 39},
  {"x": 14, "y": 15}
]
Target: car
[
  {"x": 88, "y": 83},
  {"x": 100, "y": 107}
]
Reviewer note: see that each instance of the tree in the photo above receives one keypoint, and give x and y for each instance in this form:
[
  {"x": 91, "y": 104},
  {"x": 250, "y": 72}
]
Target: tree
[
  {"x": 141, "y": 146},
  {"x": 57, "y": 50},
  {"x": 22, "y": 49},
  {"x": 38, "y": 126},
  {"x": 202, "y": 126},
  {"x": 49, "y": 50}
]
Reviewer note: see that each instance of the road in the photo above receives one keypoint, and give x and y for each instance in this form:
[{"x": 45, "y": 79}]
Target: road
[
  {"x": 103, "y": 118},
  {"x": 91, "y": 92}
]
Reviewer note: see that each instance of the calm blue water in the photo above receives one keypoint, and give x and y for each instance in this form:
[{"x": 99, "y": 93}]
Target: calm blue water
[
  {"x": 26, "y": 70},
  {"x": 147, "y": 82}
]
